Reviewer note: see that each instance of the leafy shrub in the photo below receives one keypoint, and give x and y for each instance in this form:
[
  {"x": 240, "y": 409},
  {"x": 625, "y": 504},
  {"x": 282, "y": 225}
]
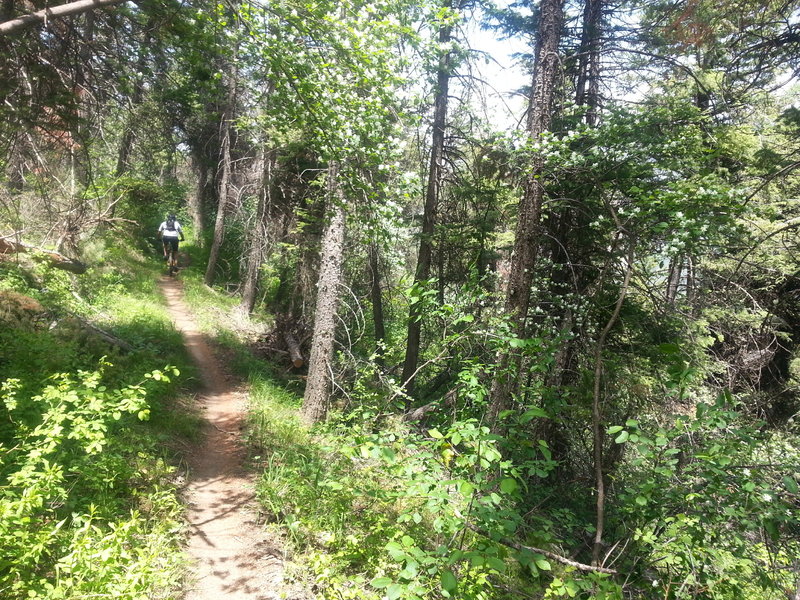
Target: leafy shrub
[{"x": 66, "y": 519}]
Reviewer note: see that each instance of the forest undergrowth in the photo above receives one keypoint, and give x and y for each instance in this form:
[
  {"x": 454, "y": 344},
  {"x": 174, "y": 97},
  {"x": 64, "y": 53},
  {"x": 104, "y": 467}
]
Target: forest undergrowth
[
  {"x": 371, "y": 505},
  {"x": 94, "y": 421}
]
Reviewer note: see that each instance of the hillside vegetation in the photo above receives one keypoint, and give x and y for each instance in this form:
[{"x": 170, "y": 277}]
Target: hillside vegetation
[{"x": 557, "y": 359}]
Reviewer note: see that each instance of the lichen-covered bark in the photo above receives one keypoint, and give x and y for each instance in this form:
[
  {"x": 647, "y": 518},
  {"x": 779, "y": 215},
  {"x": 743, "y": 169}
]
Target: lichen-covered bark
[
  {"x": 318, "y": 388},
  {"x": 526, "y": 240}
]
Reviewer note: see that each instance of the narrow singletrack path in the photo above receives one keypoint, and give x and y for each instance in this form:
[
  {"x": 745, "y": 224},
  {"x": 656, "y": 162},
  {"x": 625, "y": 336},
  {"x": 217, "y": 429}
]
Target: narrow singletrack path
[{"x": 234, "y": 558}]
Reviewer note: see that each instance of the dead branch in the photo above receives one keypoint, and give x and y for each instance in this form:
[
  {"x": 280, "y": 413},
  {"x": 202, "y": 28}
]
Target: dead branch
[
  {"x": 294, "y": 350},
  {"x": 57, "y": 260},
  {"x": 102, "y": 333},
  {"x": 552, "y": 555},
  {"x": 64, "y": 10}
]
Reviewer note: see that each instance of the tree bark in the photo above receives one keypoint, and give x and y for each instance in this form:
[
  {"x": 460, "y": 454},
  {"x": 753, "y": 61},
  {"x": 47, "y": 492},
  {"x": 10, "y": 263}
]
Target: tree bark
[
  {"x": 435, "y": 166},
  {"x": 294, "y": 350},
  {"x": 64, "y": 10},
  {"x": 523, "y": 259},
  {"x": 226, "y": 166},
  {"x": 197, "y": 199},
  {"x": 588, "y": 84},
  {"x": 318, "y": 388},
  {"x": 674, "y": 277},
  {"x": 258, "y": 239},
  {"x": 223, "y": 197}
]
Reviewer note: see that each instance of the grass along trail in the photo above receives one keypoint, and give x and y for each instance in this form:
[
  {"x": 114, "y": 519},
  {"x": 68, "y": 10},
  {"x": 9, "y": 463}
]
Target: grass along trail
[{"x": 234, "y": 558}]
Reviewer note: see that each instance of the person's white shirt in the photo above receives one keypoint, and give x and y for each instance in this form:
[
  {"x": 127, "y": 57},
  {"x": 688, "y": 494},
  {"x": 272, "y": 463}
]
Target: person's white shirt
[{"x": 166, "y": 233}]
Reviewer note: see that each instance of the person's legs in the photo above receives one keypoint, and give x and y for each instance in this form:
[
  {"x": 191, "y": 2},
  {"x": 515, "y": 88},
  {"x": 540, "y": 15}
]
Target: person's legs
[{"x": 173, "y": 257}]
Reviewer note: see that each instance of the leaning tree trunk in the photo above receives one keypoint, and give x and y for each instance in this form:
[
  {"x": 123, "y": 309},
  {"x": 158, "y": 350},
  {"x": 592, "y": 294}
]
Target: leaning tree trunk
[
  {"x": 258, "y": 239},
  {"x": 524, "y": 255},
  {"x": 424, "y": 256},
  {"x": 318, "y": 388}
]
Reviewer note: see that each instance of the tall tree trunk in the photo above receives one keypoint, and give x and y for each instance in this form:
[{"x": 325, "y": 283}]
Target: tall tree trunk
[
  {"x": 318, "y": 388},
  {"x": 425, "y": 254},
  {"x": 258, "y": 239},
  {"x": 674, "y": 279},
  {"x": 226, "y": 166},
  {"x": 523, "y": 259},
  {"x": 377, "y": 303},
  {"x": 223, "y": 197},
  {"x": 82, "y": 130},
  {"x": 197, "y": 200},
  {"x": 588, "y": 84}
]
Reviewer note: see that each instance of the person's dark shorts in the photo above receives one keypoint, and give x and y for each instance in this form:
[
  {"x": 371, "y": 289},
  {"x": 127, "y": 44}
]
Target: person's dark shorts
[{"x": 171, "y": 243}]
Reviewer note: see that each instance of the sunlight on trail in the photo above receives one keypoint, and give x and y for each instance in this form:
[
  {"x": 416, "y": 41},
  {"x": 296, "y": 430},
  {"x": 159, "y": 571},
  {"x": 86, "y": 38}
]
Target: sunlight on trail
[{"x": 234, "y": 557}]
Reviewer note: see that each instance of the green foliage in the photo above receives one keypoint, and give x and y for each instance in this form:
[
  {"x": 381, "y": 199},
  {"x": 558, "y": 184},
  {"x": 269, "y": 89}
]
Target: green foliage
[
  {"x": 66, "y": 516},
  {"x": 709, "y": 503},
  {"x": 89, "y": 505}
]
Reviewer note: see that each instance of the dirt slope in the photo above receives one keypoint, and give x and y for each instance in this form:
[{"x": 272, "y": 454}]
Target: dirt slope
[{"x": 234, "y": 558}]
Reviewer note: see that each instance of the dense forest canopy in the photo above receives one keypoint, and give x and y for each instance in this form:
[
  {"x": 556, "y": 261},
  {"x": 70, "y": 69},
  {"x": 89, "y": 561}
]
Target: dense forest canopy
[{"x": 568, "y": 347}]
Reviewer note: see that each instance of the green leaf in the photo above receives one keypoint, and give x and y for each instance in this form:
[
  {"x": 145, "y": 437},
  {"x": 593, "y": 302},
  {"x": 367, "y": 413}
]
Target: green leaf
[
  {"x": 496, "y": 564},
  {"x": 394, "y": 591},
  {"x": 435, "y": 433},
  {"x": 380, "y": 582},
  {"x": 615, "y": 429},
  {"x": 449, "y": 581},
  {"x": 790, "y": 483},
  {"x": 508, "y": 485},
  {"x": 533, "y": 413},
  {"x": 395, "y": 550},
  {"x": 542, "y": 564},
  {"x": 622, "y": 437}
]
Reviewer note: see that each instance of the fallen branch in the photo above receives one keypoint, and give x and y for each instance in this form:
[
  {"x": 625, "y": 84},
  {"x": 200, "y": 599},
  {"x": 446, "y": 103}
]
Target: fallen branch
[
  {"x": 59, "y": 261},
  {"x": 552, "y": 555},
  {"x": 102, "y": 333},
  {"x": 419, "y": 413},
  {"x": 64, "y": 10},
  {"x": 294, "y": 350}
]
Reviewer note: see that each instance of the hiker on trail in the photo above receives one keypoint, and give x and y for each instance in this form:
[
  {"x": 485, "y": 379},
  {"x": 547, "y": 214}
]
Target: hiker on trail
[{"x": 169, "y": 231}]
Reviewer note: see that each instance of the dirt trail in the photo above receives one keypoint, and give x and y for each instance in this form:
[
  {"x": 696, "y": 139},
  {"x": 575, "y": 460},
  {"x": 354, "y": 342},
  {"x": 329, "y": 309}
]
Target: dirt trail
[{"x": 234, "y": 557}]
